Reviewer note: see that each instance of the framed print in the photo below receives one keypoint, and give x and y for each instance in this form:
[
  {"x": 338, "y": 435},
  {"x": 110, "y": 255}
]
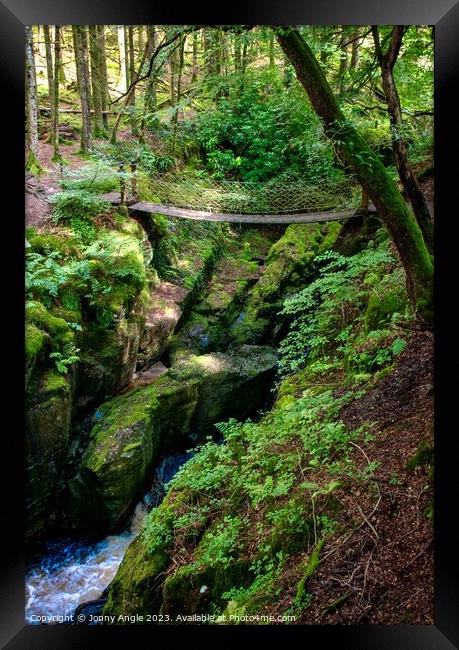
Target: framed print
[{"x": 237, "y": 350}]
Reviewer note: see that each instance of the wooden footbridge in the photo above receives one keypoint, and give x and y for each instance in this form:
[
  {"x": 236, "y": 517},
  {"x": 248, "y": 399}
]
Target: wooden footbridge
[
  {"x": 202, "y": 215},
  {"x": 237, "y": 202}
]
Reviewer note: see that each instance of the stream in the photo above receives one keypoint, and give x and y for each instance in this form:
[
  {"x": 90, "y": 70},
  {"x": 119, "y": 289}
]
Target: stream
[{"x": 68, "y": 572}]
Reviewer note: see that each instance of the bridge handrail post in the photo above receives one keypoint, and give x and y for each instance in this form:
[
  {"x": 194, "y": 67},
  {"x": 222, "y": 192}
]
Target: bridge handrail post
[
  {"x": 122, "y": 183},
  {"x": 134, "y": 178}
]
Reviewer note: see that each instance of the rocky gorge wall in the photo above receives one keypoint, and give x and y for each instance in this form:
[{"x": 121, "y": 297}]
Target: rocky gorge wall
[{"x": 217, "y": 369}]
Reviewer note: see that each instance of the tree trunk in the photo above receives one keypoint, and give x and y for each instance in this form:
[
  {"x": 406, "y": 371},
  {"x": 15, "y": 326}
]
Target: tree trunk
[
  {"x": 100, "y": 31},
  {"x": 81, "y": 59},
  {"x": 416, "y": 197},
  {"x": 131, "y": 62},
  {"x": 355, "y": 51},
  {"x": 344, "y": 61},
  {"x": 50, "y": 75},
  {"x": 122, "y": 83},
  {"x": 55, "y": 111},
  {"x": 180, "y": 51},
  {"x": 370, "y": 171},
  {"x": 77, "y": 68},
  {"x": 271, "y": 50},
  {"x": 96, "y": 81},
  {"x": 194, "y": 64},
  {"x": 31, "y": 105},
  {"x": 150, "y": 96},
  {"x": 237, "y": 53}
]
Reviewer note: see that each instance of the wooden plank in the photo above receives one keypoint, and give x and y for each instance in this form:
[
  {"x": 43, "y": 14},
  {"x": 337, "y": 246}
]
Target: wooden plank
[{"x": 201, "y": 215}]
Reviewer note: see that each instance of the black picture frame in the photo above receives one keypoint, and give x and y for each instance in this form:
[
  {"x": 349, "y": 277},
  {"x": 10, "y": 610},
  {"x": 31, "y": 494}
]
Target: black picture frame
[{"x": 444, "y": 14}]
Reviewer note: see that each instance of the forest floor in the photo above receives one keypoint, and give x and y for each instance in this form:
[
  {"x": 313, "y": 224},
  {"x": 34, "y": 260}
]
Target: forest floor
[
  {"x": 382, "y": 572},
  {"x": 40, "y": 190}
]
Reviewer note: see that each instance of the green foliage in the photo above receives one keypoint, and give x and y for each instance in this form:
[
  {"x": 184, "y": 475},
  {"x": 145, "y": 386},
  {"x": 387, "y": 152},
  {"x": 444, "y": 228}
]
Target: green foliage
[
  {"x": 97, "y": 177},
  {"x": 77, "y": 204},
  {"x": 342, "y": 308},
  {"x": 262, "y": 131},
  {"x": 66, "y": 358}
]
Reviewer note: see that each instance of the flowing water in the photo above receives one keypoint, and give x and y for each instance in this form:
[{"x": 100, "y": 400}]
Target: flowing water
[{"x": 70, "y": 572}]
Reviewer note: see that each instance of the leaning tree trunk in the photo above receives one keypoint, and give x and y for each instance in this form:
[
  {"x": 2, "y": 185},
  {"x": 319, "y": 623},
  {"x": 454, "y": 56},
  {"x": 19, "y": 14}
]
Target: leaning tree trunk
[
  {"x": 55, "y": 112},
  {"x": 81, "y": 59},
  {"x": 32, "y": 163},
  {"x": 50, "y": 75},
  {"x": 416, "y": 197},
  {"x": 370, "y": 171}
]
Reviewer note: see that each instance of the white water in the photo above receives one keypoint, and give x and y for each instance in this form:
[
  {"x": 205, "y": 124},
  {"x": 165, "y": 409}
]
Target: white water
[{"x": 71, "y": 572}]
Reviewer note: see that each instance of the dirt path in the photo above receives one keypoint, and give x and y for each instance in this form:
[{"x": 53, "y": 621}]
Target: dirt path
[{"x": 39, "y": 191}]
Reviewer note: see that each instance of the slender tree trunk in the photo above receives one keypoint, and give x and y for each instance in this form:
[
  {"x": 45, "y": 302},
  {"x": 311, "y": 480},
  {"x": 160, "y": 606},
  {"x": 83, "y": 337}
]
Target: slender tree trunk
[
  {"x": 32, "y": 162},
  {"x": 81, "y": 58},
  {"x": 55, "y": 112},
  {"x": 122, "y": 84},
  {"x": 416, "y": 197},
  {"x": 150, "y": 98},
  {"x": 237, "y": 53},
  {"x": 131, "y": 55},
  {"x": 62, "y": 77},
  {"x": 271, "y": 50},
  {"x": 50, "y": 75},
  {"x": 244, "y": 60},
  {"x": 370, "y": 171},
  {"x": 140, "y": 42},
  {"x": 77, "y": 68},
  {"x": 194, "y": 64},
  {"x": 180, "y": 51},
  {"x": 100, "y": 31},
  {"x": 343, "y": 62},
  {"x": 355, "y": 51},
  {"x": 96, "y": 81}
]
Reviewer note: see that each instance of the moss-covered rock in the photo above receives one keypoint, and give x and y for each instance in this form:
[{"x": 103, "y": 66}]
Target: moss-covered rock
[
  {"x": 136, "y": 588},
  {"x": 230, "y": 384},
  {"x": 289, "y": 263},
  {"x": 162, "y": 316},
  {"x": 131, "y": 431},
  {"x": 48, "y": 419}
]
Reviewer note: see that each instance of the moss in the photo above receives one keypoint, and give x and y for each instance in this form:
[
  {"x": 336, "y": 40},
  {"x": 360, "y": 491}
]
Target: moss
[
  {"x": 311, "y": 566},
  {"x": 54, "y": 382},
  {"x": 424, "y": 456},
  {"x": 34, "y": 341},
  {"x": 381, "y": 307},
  {"x": 46, "y": 243},
  {"x": 135, "y": 588}
]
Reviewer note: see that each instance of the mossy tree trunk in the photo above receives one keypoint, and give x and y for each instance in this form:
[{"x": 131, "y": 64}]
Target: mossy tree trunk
[
  {"x": 32, "y": 163},
  {"x": 56, "y": 77},
  {"x": 370, "y": 171},
  {"x": 387, "y": 62},
  {"x": 50, "y": 75},
  {"x": 81, "y": 59}
]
